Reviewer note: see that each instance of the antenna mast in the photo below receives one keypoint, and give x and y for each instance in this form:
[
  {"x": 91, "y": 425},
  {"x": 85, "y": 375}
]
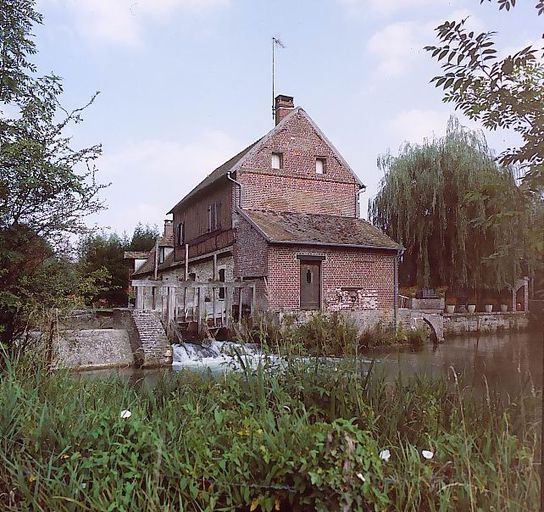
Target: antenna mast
[{"x": 275, "y": 41}]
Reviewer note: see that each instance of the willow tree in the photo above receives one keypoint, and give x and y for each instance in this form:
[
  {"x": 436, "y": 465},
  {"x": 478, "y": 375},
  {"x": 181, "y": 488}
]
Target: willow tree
[{"x": 461, "y": 217}]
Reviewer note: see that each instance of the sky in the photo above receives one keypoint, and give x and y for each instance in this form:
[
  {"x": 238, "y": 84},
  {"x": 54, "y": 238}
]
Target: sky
[{"x": 186, "y": 84}]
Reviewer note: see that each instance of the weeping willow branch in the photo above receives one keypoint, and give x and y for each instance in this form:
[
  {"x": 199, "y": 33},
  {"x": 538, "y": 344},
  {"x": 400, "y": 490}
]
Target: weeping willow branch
[{"x": 461, "y": 217}]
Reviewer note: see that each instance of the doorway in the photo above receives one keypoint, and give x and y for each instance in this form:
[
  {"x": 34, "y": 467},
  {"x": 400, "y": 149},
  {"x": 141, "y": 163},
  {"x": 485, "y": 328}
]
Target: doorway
[{"x": 310, "y": 285}]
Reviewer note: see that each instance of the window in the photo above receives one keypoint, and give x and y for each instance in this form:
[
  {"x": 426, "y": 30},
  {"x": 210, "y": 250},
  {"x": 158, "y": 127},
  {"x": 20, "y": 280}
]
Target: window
[
  {"x": 214, "y": 217},
  {"x": 320, "y": 165},
  {"x": 222, "y": 279},
  {"x": 161, "y": 255},
  {"x": 277, "y": 160},
  {"x": 180, "y": 234}
]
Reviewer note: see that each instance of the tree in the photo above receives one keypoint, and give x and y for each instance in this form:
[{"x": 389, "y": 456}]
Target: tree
[
  {"x": 143, "y": 238},
  {"x": 47, "y": 187},
  {"x": 105, "y": 253},
  {"x": 450, "y": 205},
  {"x": 501, "y": 93}
]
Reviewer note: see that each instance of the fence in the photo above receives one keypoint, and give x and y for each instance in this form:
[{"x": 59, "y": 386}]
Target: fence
[{"x": 211, "y": 305}]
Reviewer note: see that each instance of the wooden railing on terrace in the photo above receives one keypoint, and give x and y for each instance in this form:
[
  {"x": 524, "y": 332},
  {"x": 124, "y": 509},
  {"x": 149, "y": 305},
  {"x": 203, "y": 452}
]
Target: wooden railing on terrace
[{"x": 210, "y": 305}]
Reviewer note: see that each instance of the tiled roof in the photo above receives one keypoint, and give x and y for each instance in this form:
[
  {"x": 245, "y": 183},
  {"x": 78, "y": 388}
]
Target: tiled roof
[
  {"x": 167, "y": 241},
  {"x": 135, "y": 255},
  {"x": 221, "y": 171},
  {"x": 301, "y": 228},
  {"x": 149, "y": 266}
]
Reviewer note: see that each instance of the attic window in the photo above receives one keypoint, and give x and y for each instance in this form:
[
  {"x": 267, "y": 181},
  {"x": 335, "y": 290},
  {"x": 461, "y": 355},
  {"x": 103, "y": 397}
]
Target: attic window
[
  {"x": 320, "y": 165},
  {"x": 277, "y": 160},
  {"x": 161, "y": 255}
]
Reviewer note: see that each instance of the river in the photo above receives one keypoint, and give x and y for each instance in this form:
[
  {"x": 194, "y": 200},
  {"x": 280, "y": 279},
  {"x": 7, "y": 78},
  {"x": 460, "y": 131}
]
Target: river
[{"x": 504, "y": 361}]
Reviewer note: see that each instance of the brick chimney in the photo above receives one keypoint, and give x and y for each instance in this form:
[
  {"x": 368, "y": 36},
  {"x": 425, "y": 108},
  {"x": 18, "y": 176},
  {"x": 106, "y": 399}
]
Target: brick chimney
[
  {"x": 283, "y": 105},
  {"x": 168, "y": 230}
]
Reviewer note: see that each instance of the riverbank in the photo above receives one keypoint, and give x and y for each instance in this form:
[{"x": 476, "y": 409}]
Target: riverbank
[{"x": 304, "y": 438}]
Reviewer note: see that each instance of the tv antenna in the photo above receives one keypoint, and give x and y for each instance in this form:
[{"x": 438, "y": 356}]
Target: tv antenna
[{"x": 276, "y": 41}]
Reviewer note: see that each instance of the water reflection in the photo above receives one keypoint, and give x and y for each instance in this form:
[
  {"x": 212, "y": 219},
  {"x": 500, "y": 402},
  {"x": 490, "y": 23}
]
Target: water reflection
[{"x": 505, "y": 361}]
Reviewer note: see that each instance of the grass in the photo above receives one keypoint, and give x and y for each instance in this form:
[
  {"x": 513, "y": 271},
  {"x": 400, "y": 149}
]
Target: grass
[
  {"x": 307, "y": 437},
  {"x": 327, "y": 335}
]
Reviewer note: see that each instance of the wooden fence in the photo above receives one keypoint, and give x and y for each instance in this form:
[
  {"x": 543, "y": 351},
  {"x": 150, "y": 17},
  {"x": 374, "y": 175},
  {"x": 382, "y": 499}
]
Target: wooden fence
[{"x": 210, "y": 305}]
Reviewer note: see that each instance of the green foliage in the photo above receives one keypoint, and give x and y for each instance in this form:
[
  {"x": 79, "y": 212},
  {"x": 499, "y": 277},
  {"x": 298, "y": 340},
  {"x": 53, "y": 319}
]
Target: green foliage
[
  {"x": 101, "y": 251},
  {"x": 47, "y": 187},
  {"x": 35, "y": 280},
  {"x": 262, "y": 441},
  {"x": 143, "y": 238},
  {"x": 502, "y": 93},
  {"x": 105, "y": 252},
  {"x": 16, "y": 20},
  {"x": 462, "y": 219},
  {"x": 319, "y": 334},
  {"x": 384, "y": 335}
]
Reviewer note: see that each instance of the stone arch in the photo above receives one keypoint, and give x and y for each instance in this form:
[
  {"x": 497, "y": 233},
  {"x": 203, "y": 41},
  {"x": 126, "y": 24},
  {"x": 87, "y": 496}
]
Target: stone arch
[{"x": 435, "y": 323}]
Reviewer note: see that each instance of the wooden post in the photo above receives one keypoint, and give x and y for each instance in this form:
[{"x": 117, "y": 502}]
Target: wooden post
[
  {"x": 253, "y": 299},
  {"x": 240, "y": 296},
  {"x": 200, "y": 308},
  {"x": 213, "y": 305},
  {"x": 139, "y": 297},
  {"x": 171, "y": 313},
  {"x": 228, "y": 297}
]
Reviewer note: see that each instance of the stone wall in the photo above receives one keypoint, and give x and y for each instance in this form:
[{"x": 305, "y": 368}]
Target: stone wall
[
  {"x": 458, "y": 323},
  {"x": 92, "y": 348},
  {"x": 154, "y": 349}
]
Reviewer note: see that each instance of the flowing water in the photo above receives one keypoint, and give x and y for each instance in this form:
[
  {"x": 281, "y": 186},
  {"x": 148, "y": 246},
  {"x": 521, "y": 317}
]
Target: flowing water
[{"x": 503, "y": 362}]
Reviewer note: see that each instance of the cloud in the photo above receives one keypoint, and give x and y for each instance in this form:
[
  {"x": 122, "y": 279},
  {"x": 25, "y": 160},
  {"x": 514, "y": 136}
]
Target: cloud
[
  {"x": 148, "y": 177},
  {"x": 385, "y": 6},
  {"x": 415, "y": 125},
  {"x": 398, "y": 45},
  {"x": 122, "y": 21}
]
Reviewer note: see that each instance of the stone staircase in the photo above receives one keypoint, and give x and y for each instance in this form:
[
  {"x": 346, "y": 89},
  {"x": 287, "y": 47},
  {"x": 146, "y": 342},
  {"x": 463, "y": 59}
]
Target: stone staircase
[{"x": 154, "y": 348}]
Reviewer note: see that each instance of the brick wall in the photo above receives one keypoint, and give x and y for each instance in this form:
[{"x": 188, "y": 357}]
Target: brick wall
[
  {"x": 250, "y": 251},
  {"x": 296, "y": 187},
  {"x": 368, "y": 274},
  {"x": 269, "y": 191}
]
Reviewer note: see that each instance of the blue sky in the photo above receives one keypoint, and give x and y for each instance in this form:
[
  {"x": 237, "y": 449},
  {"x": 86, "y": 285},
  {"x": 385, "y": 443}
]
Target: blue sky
[{"x": 185, "y": 84}]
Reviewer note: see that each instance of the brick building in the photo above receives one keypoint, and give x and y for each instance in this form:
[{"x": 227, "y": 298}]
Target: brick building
[{"x": 284, "y": 212}]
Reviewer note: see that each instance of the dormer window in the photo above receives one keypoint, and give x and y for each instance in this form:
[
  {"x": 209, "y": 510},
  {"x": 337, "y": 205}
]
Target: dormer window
[
  {"x": 320, "y": 165},
  {"x": 277, "y": 160},
  {"x": 161, "y": 255}
]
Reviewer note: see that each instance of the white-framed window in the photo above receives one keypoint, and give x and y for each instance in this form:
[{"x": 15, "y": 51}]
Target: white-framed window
[
  {"x": 320, "y": 165},
  {"x": 277, "y": 160}
]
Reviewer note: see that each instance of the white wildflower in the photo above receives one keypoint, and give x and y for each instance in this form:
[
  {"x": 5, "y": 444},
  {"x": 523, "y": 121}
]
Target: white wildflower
[
  {"x": 427, "y": 454},
  {"x": 125, "y": 414},
  {"x": 385, "y": 455},
  {"x": 361, "y": 477}
]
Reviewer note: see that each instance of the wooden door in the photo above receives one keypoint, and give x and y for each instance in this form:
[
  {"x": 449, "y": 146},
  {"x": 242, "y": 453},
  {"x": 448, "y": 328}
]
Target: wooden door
[{"x": 310, "y": 284}]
